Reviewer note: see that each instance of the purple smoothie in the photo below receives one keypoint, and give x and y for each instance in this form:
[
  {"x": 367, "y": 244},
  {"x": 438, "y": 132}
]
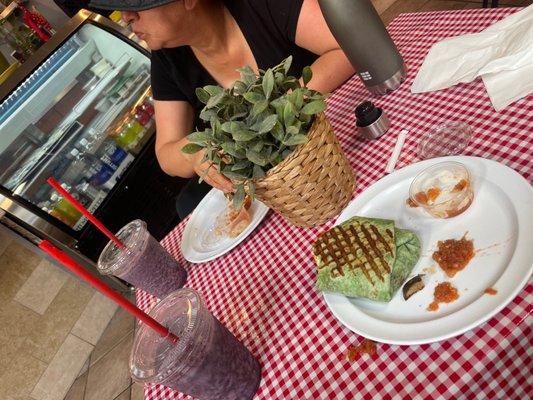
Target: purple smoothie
[
  {"x": 144, "y": 264},
  {"x": 208, "y": 362}
]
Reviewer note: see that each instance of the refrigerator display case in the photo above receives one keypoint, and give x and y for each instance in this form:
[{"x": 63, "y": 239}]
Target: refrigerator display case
[{"x": 81, "y": 111}]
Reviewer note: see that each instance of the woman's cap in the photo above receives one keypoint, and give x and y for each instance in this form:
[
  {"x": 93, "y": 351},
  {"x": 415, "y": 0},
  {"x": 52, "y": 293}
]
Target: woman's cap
[{"x": 128, "y": 5}]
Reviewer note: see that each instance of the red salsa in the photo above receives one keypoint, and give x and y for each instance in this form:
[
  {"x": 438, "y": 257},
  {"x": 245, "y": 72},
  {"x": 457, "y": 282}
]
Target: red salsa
[{"x": 444, "y": 293}]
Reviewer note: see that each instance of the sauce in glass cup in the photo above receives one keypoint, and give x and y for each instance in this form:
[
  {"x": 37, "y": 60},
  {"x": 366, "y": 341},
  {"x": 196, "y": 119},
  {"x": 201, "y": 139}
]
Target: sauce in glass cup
[{"x": 443, "y": 190}]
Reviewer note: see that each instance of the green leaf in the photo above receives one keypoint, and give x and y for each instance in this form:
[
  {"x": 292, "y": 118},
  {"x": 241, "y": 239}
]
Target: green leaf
[
  {"x": 214, "y": 121},
  {"x": 268, "y": 83},
  {"x": 240, "y": 87},
  {"x": 256, "y": 158},
  {"x": 314, "y": 107},
  {"x": 258, "y": 172},
  {"x": 243, "y": 164},
  {"x": 258, "y": 146},
  {"x": 213, "y": 90},
  {"x": 234, "y": 175},
  {"x": 276, "y": 160},
  {"x": 251, "y": 189},
  {"x": 287, "y": 64},
  {"x": 233, "y": 126},
  {"x": 259, "y": 107},
  {"x": 266, "y": 152},
  {"x": 243, "y": 135},
  {"x": 239, "y": 115},
  {"x": 291, "y": 84},
  {"x": 215, "y": 100},
  {"x": 295, "y": 140},
  {"x": 206, "y": 114},
  {"x": 293, "y": 130},
  {"x": 279, "y": 78},
  {"x": 216, "y": 160},
  {"x": 200, "y": 137},
  {"x": 278, "y": 131},
  {"x": 268, "y": 123},
  {"x": 191, "y": 148},
  {"x": 305, "y": 119},
  {"x": 273, "y": 156},
  {"x": 231, "y": 149},
  {"x": 307, "y": 74},
  {"x": 202, "y": 95},
  {"x": 238, "y": 197},
  {"x": 253, "y": 97},
  {"x": 297, "y": 98},
  {"x": 286, "y": 153},
  {"x": 256, "y": 125},
  {"x": 248, "y": 75},
  {"x": 279, "y": 105},
  {"x": 288, "y": 114}
]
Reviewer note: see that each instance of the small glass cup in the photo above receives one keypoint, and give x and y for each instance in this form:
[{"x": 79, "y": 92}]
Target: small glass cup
[
  {"x": 443, "y": 190},
  {"x": 144, "y": 263},
  {"x": 207, "y": 362},
  {"x": 446, "y": 139}
]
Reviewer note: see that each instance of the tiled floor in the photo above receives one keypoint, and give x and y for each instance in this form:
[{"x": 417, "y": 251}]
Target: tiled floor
[
  {"x": 59, "y": 338},
  {"x": 106, "y": 373},
  {"x": 50, "y": 323}
]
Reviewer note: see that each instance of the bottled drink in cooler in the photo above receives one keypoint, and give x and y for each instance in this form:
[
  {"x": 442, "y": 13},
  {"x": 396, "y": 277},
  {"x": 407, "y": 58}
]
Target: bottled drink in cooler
[
  {"x": 129, "y": 134},
  {"x": 88, "y": 190},
  {"x": 61, "y": 209},
  {"x": 148, "y": 107},
  {"x": 142, "y": 116},
  {"x": 97, "y": 172},
  {"x": 86, "y": 167},
  {"x": 113, "y": 155}
]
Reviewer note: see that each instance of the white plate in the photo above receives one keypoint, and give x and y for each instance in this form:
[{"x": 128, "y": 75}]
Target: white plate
[
  {"x": 500, "y": 221},
  {"x": 200, "y": 243}
]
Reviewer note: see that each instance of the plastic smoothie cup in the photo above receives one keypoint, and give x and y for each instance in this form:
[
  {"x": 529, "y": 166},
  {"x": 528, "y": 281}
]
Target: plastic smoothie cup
[
  {"x": 144, "y": 263},
  {"x": 207, "y": 362}
]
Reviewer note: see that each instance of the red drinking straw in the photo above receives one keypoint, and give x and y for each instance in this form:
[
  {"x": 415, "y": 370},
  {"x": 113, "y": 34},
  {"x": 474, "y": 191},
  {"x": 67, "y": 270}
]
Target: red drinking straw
[
  {"x": 72, "y": 265},
  {"x": 55, "y": 184}
]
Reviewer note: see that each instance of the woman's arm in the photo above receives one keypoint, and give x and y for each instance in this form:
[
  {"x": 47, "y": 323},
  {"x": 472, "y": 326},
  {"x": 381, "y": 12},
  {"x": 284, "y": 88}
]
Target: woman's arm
[
  {"x": 174, "y": 121},
  {"x": 332, "y": 68}
]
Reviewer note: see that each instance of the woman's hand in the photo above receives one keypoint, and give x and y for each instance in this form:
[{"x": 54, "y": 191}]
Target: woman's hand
[{"x": 209, "y": 173}]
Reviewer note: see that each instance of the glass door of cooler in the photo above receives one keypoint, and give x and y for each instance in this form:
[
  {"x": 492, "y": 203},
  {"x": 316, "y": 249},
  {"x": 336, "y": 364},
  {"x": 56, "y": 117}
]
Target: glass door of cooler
[{"x": 80, "y": 117}]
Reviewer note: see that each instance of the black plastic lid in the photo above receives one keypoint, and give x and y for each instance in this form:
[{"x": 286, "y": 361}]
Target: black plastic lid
[{"x": 366, "y": 113}]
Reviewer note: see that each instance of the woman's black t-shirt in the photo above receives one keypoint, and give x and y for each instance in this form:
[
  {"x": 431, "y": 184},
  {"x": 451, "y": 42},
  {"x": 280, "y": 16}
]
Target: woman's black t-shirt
[{"x": 269, "y": 27}]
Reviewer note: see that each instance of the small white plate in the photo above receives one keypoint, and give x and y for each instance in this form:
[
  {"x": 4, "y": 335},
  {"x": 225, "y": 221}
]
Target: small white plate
[
  {"x": 200, "y": 242},
  {"x": 500, "y": 221}
]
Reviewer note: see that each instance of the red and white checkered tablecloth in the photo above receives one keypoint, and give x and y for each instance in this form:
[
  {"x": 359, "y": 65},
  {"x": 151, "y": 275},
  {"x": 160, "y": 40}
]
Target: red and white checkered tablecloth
[{"x": 263, "y": 290}]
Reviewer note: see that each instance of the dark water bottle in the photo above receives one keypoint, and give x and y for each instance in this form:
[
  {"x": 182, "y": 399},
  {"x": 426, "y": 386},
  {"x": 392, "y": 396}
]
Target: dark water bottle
[{"x": 362, "y": 36}]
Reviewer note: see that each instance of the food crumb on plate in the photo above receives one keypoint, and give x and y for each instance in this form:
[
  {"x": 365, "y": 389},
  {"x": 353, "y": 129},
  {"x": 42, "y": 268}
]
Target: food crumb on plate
[
  {"x": 366, "y": 346},
  {"x": 444, "y": 293},
  {"x": 491, "y": 291},
  {"x": 430, "y": 270}
]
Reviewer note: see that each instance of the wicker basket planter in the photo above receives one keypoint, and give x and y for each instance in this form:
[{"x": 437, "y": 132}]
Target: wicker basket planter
[{"x": 314, "y": 183}]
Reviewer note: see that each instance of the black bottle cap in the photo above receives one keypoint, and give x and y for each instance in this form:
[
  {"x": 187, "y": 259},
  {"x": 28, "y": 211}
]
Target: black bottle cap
[{"x": 366, "y": 113}]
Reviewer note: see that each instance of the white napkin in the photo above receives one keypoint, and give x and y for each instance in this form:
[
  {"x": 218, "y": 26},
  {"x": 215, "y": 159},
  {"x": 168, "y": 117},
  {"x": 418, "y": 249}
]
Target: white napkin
[{"x": 502, "y": 55}]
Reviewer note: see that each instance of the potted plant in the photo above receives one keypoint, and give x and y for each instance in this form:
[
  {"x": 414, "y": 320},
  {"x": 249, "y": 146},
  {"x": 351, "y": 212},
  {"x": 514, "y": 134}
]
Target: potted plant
[{"x": 269, "y": 135}]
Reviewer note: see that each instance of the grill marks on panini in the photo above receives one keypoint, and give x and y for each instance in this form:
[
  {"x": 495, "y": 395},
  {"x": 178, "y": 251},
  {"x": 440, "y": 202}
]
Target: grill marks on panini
[
  {"x": 362, "y": 263},
  {"x": 381, "y": 239},
  {"x": 355, "y": 263},
  {"x": 348, "y": 248}
]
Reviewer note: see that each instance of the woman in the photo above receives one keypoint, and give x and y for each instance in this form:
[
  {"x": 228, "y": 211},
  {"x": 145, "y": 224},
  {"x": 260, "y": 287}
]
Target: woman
[{"x": 203, "y": 42}]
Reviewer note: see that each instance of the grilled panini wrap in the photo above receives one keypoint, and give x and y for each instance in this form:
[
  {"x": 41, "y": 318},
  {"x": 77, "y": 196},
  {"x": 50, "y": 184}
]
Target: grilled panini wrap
[{"x": 365, "y": 257}]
